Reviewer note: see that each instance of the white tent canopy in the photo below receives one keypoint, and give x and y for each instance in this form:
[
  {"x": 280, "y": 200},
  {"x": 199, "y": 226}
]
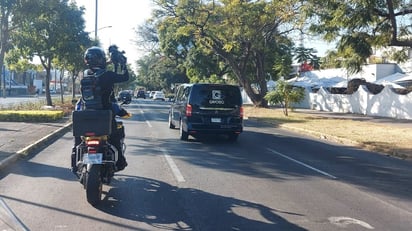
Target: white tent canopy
[
  {"x": 338, "y": 78},
  {"x": 322, "y": 78}
]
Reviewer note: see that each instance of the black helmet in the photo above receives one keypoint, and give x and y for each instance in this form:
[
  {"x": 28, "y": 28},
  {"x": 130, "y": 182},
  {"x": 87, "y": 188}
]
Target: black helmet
[{"x": 95, "y": 57}]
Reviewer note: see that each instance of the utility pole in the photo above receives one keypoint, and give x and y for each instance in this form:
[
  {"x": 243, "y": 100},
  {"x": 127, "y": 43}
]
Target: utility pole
[{"x": 95, "y": 23}]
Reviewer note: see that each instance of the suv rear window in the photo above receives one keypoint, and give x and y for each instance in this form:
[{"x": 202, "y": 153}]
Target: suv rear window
[
  {"x": 124, "y": 93},
  {"x": 215, "y": 96}
]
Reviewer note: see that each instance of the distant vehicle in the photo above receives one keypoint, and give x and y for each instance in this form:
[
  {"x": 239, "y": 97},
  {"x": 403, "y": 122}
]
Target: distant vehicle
[
  {"x": 207, "y": 109},
  {"x": 151, "y": 94},
  {"x": 52, "y": 91},
  {"x": 159, "y": 95},
  {"x": 141, "y": 94},
  {"x": 125, "y": 97}
]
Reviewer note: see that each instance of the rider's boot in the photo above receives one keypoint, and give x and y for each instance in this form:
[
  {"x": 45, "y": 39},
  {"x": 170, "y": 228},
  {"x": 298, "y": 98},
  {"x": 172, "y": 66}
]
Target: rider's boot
[{"x": 73, "y": 161}]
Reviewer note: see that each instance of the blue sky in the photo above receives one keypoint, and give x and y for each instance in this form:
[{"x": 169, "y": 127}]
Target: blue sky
[{"x": 117, "y": 21}]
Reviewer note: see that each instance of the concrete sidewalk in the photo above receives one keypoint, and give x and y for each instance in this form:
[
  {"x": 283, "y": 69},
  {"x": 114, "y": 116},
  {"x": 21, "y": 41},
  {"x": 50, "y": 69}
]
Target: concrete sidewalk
[{"x": 19, "y": 139}]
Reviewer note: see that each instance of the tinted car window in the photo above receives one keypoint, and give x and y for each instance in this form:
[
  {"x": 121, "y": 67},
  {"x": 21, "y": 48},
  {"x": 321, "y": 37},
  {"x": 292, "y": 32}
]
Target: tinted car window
[
  {"x": 215, "y": 96},
  {"x": 179, "y": 94},
  {"x": 182, "y": 93}
]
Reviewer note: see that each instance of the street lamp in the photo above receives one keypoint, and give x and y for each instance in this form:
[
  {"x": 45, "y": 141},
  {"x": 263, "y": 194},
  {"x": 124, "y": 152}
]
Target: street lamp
[
  {"x": 95, "y": 23},
  {"x": 95, "y": 31},
  {"x": 101, "y": 28}
]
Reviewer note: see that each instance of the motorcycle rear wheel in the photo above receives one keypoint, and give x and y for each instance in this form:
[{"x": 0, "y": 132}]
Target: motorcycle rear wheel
[{"x": 93, "y": 185}]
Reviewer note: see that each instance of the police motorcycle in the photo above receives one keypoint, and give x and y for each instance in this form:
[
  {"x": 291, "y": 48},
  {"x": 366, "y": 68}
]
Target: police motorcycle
[{"x": 95, "y": 157}]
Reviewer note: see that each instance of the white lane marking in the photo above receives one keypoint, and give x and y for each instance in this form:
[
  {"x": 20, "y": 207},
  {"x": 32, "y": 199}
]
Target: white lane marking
[
  {"x": 144, "y": 117},
  {"x": 175, "y": 170},
  {"x": 301, "y": 163},
  {"x": 11, "y": 215},
  {"x": 343, "y": 222}
]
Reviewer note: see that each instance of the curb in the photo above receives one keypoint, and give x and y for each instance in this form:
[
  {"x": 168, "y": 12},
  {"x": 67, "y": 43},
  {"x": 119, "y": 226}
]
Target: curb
[{"x": 36, "y": 145}]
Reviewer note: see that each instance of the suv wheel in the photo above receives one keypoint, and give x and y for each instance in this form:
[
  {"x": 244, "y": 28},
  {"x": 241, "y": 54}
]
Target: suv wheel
[
  {"x": 183, "y": 135},
  {"x": 171, "y": 125},
  {"x": 233, "y": 137}
]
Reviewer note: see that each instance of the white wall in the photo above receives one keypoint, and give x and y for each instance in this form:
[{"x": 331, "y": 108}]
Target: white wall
[{"x": 385, "y": 104}]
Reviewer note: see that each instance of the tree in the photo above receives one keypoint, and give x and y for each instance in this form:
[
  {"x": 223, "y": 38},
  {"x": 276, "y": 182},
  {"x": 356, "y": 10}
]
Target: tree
[
  {"x": 147, "y": 37},
  {"x": 202, "y": 65},
  {"x": 331, "y": 60},
  {"x": 307, "y": 58},
  {"x": 158, "y": 72},
  {"x": 282, "y": 66},
  {"x": 285, "y": 95},
  {"x": 397, "y": 55},
  {"x": 247, "y": 35},
  {"x": 46, "y": 29},
  {"x": 71, "y": 55},
  {"x": 163, "y": 66},
  {"x": 359, "y": 25}
]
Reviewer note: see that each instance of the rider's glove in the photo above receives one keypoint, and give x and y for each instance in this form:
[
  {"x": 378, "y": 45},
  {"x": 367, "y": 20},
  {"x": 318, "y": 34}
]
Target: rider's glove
[{"x": 128, "y": 115}]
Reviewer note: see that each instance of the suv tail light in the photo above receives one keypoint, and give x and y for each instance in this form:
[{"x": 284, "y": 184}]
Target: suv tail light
[
  {"x": 241, "y": 112},
  {"x": 188, "y": 110}
]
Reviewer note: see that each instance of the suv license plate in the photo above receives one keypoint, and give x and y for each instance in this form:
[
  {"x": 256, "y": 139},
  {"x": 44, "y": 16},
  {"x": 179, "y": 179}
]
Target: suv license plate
[{"x": 216, "y": 120}]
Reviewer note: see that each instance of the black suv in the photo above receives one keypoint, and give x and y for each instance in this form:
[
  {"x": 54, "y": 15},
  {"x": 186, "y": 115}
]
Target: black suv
[
  {"x": 207, "y": 109},
  {"x": 141, "y": 94},
  {"x": 125, "y": 97}
]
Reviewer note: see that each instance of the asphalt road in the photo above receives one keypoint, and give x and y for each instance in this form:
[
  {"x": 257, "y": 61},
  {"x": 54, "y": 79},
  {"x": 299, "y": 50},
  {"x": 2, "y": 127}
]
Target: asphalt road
[{"x": 270, "y": 179}]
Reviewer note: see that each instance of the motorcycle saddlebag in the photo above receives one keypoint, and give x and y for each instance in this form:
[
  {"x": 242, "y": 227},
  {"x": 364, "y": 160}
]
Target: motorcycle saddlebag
[{"x": 92, "y": 122}]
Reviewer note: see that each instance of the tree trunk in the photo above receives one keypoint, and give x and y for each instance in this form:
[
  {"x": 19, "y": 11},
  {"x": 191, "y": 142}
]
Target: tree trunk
[
  {"x": 257, "y": 99},
  {"x": 73, "y": 84},
  {"x": 255, "y": 95},
  {"x": 47, "y": 82},
  {"x": 47, "y": 85},
  {"x": 4, "y": 37},
  {"x": 61, "y": 85}
]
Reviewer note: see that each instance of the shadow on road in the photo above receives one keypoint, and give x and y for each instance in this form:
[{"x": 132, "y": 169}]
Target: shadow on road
[{"x": 164, "y": 206}]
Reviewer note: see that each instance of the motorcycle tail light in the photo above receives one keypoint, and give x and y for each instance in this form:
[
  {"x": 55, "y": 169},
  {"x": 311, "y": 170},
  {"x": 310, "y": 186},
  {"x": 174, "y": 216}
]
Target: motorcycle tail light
[
  {"x": 93, "y": 143},
  {"x": 188, "y": 110},
  {"x": 92, "y": 150}
]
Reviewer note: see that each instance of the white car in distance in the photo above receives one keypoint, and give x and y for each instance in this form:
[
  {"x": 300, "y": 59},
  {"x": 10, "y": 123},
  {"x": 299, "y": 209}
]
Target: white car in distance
[{"x": 159, "y": 95}]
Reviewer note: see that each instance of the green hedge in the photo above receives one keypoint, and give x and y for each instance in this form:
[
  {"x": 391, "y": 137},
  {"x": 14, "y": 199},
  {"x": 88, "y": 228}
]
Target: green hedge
[{"x": 30, "y": 116}]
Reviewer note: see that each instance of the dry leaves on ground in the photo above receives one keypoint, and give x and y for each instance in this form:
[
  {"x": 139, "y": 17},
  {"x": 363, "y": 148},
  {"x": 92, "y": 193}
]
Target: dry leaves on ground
[{"x": 376, "y": 136}]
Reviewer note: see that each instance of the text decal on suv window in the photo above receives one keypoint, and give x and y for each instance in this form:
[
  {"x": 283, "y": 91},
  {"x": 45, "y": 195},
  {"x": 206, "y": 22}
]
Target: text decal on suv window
[{"x": 217, "y": 97}]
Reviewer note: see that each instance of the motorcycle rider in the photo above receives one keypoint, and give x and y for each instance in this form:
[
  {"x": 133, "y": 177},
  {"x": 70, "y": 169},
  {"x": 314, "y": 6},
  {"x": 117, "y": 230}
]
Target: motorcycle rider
[
  {"x": 116, "y": 108},
  {"x": 95, "y": 59}
]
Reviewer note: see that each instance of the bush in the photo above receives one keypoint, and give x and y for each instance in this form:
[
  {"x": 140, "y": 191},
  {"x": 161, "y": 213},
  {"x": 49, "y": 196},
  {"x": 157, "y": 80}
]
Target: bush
[
  {"x": 285, "y": 94},
  {"x": 30, "y": 116}
]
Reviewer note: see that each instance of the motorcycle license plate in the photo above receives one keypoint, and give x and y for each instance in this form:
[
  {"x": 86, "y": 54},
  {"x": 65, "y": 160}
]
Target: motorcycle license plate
[{"x": 96, "y": 158}]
